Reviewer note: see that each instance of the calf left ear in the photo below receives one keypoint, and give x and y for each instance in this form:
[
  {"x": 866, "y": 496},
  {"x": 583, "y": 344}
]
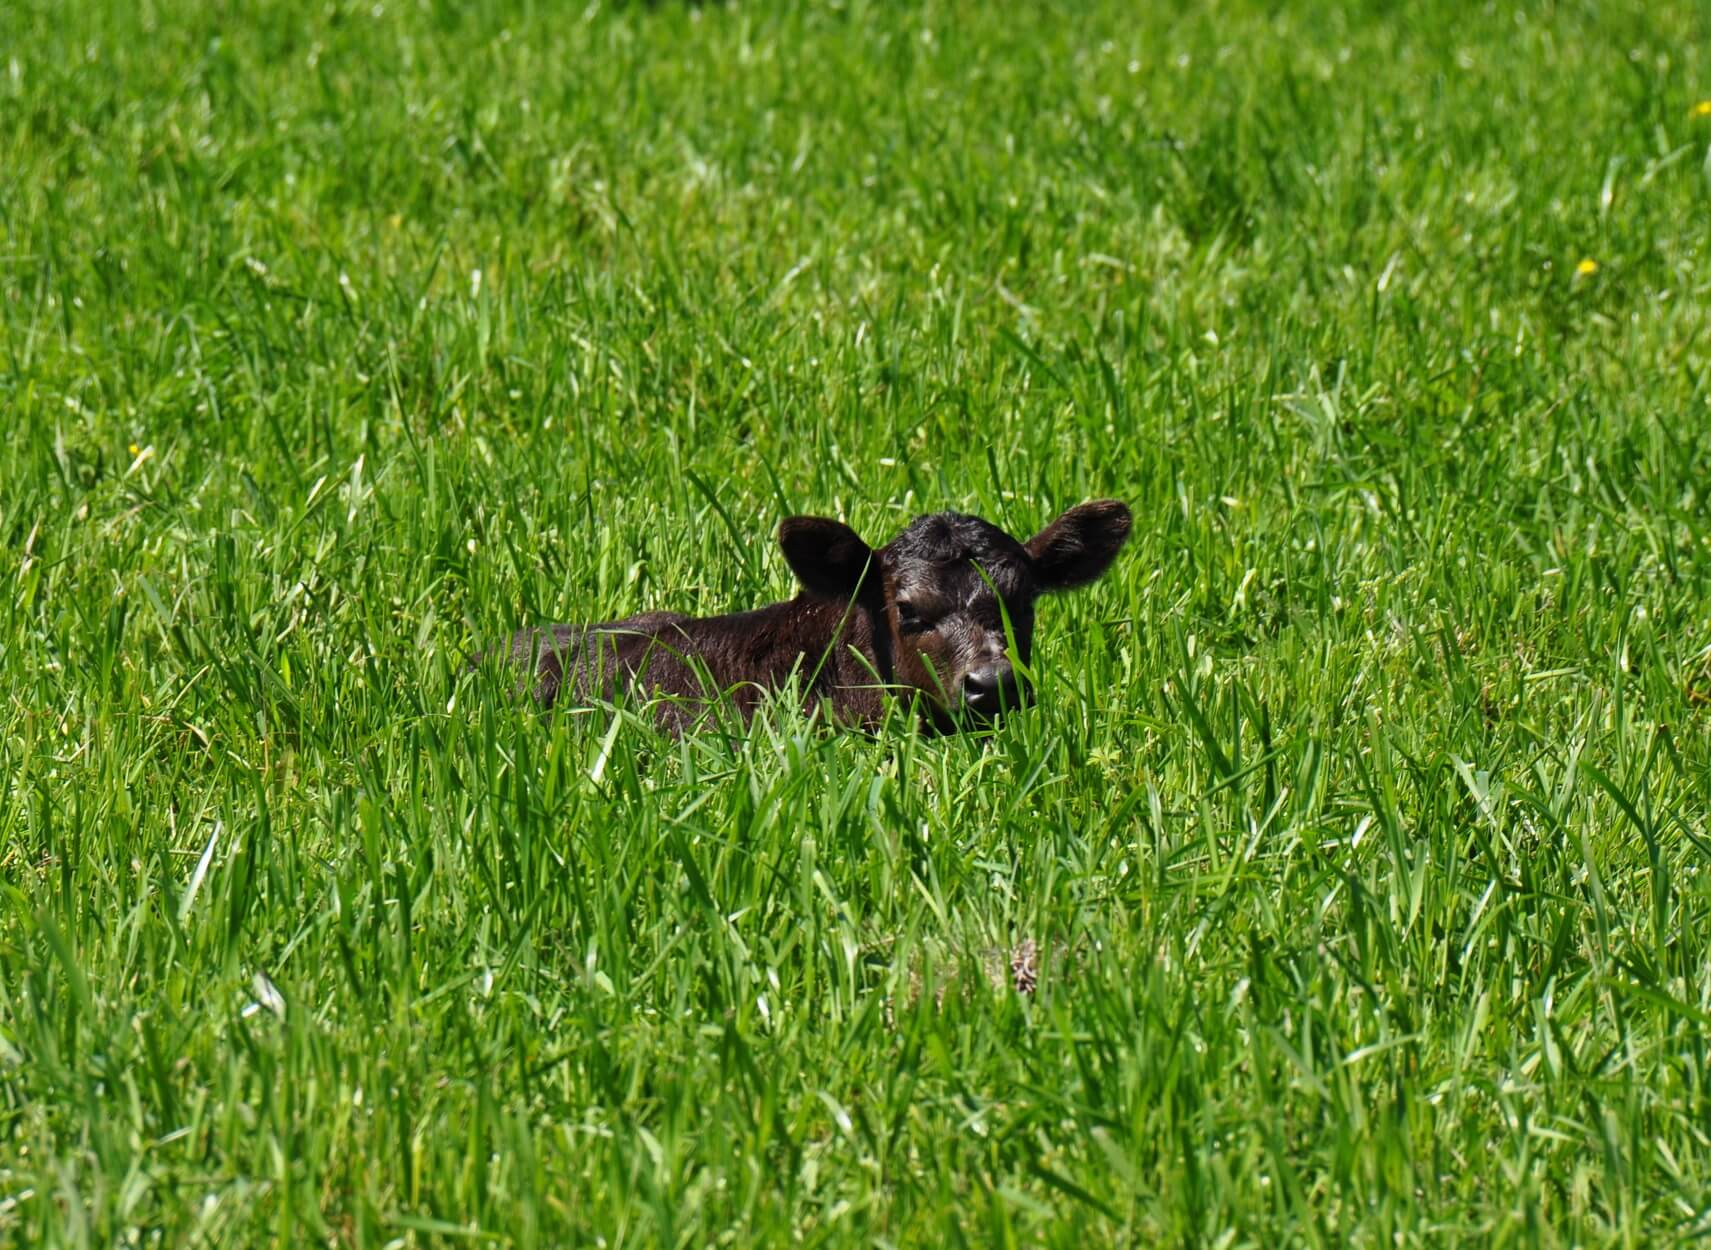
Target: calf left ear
[
  {"x": 1080, "y": 545},
  {"x": 828, "y": 557}
]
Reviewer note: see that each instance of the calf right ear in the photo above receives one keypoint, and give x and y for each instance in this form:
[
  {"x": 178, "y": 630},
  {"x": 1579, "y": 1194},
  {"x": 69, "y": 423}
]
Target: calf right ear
[{"x": 828, "y": 557}]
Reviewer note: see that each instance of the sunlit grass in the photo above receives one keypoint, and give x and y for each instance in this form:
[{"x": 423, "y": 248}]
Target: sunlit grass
[{"x": 1360, "y": 831}]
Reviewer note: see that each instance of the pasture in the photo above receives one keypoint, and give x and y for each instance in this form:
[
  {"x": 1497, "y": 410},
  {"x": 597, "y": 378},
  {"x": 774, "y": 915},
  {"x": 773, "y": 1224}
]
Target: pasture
[{"x": 1358, "y": 843}]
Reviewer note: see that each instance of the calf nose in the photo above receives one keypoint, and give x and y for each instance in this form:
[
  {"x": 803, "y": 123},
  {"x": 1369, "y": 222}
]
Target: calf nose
[{"x": 990, "y": 688}]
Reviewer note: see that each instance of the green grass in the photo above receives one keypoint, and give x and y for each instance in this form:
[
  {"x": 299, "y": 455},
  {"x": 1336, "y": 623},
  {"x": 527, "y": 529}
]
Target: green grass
[{"x": 1364, "y": 819}]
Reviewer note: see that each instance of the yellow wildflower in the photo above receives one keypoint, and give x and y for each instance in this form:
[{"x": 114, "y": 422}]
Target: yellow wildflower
[
  {"x": 1702, "y": 109},
  {"x": 135, "y": 449},
  {"x": 1586, "y": 268}
]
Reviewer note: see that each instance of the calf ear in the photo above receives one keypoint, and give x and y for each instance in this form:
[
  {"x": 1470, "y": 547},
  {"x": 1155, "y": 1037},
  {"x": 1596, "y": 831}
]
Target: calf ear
[
  {"x": 1080, "y": 545},
  {"x": 828, "y": 557}
]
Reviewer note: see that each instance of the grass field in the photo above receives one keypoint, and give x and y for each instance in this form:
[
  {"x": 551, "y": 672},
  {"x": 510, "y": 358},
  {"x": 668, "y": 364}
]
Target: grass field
[{"x": 1363, "y": 823}]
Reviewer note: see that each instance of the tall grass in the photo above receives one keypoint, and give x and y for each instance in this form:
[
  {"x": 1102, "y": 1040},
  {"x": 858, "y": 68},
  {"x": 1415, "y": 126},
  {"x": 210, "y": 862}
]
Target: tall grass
[{"x": 1361, "y": 829}]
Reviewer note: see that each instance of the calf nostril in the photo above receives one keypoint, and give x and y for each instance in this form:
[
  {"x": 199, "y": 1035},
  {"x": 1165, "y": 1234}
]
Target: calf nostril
[{"x": 990, "y": 689}]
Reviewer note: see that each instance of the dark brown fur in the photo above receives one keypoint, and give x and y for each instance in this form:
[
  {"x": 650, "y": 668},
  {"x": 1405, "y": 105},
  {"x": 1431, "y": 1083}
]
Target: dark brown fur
[{"x": 923, "y": 616}]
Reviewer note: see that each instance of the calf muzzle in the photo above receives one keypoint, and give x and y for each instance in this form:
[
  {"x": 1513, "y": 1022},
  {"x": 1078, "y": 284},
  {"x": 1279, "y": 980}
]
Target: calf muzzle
[{"x": 991, "y": 689}]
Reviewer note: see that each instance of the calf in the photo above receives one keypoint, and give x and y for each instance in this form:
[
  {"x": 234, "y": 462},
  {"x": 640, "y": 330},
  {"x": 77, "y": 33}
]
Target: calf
[{"x": 923, "y": 617}]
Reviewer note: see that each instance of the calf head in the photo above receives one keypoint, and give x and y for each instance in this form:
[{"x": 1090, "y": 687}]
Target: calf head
[{"x": 954, "y": 595}]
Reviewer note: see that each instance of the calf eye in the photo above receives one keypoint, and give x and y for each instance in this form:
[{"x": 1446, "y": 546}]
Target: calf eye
[{"x": 909, "y": 621}]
